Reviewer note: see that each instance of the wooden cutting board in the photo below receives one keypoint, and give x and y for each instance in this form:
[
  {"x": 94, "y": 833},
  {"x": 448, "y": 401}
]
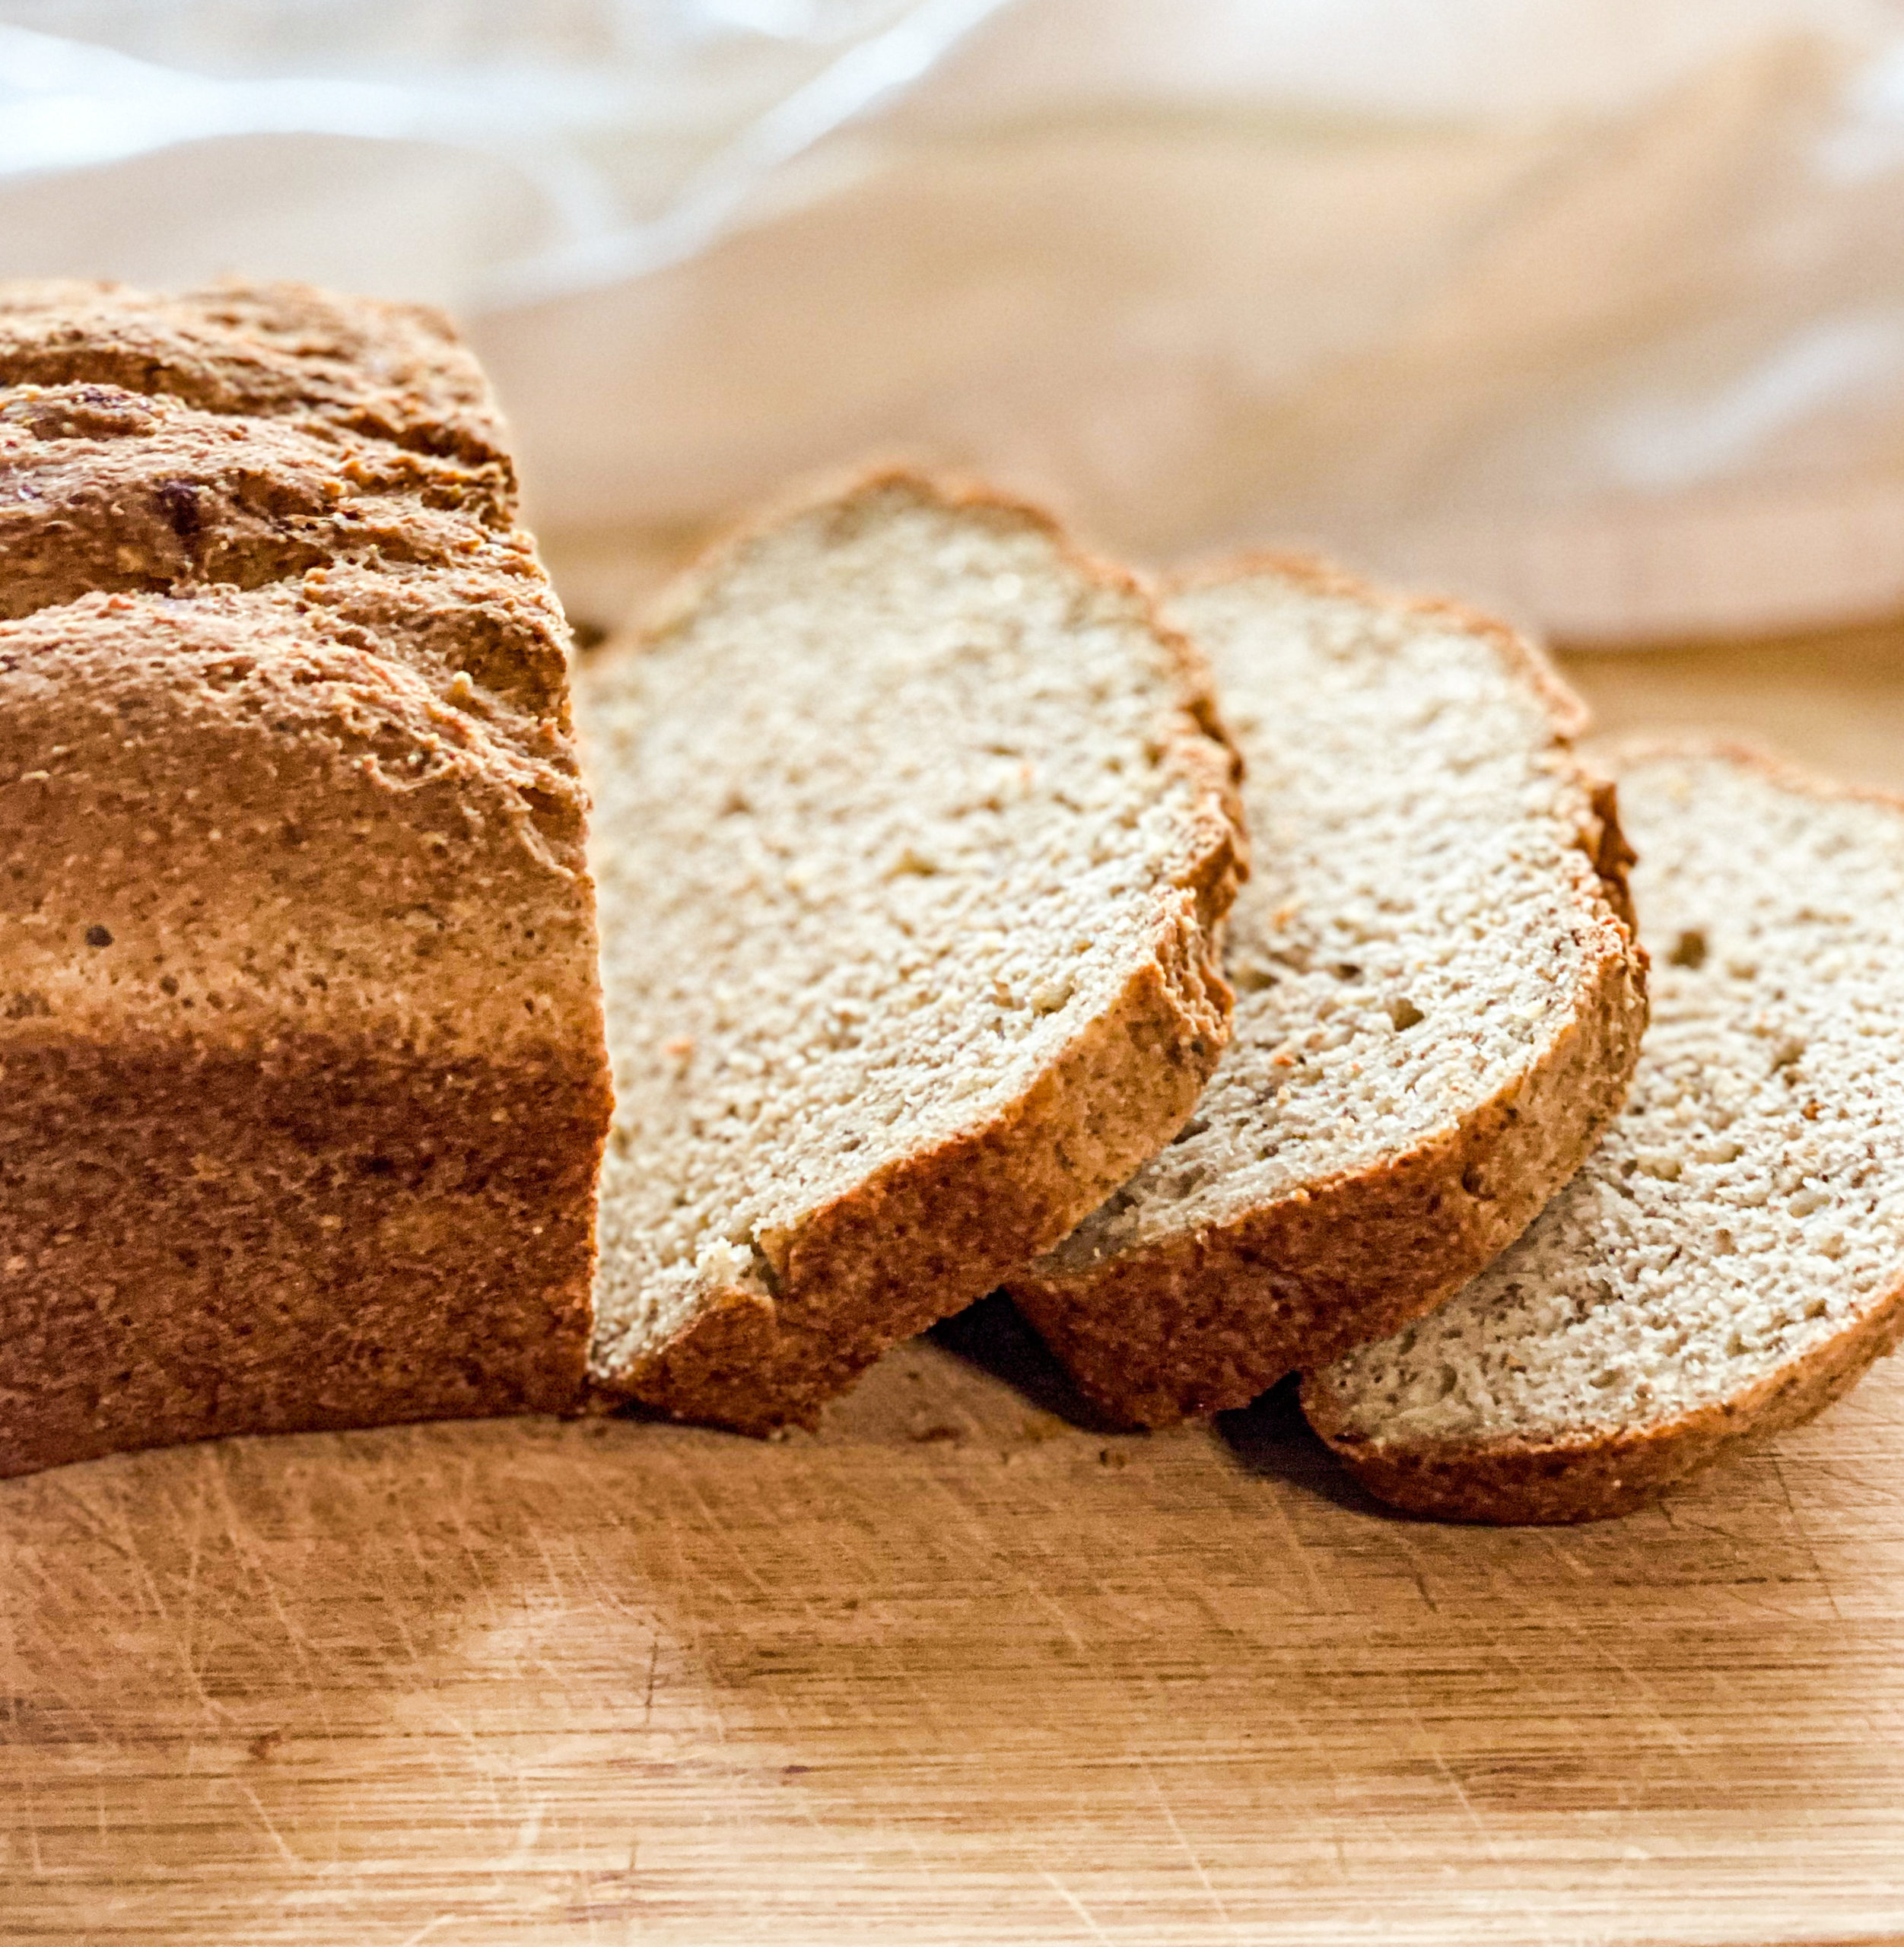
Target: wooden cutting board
[{"x": 961, "y": 1668}]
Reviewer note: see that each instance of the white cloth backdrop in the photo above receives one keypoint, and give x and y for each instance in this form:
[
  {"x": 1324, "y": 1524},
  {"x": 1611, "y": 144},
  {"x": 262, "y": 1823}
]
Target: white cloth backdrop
[{"x": 1592, "y": 307}]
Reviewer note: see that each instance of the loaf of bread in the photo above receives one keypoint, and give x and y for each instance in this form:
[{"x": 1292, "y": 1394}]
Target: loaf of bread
[
  {"x": 302, "y": 1078},
  {"x": 913, "y": 835},
  {"x": 1440, "y": 1002},
  {"x": 1731, "y": 1258}
]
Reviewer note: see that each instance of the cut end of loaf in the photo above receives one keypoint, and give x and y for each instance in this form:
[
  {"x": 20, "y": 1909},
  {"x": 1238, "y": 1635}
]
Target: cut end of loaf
[{"x": 1731, "y": 1257}]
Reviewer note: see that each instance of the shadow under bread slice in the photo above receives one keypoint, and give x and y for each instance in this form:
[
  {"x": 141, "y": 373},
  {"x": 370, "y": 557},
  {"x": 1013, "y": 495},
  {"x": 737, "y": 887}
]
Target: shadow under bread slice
[
  {"x": 1439, "y": 1004},
  {"x": 1731, "y": 1258},
  {"x": 913, "y": 835}
]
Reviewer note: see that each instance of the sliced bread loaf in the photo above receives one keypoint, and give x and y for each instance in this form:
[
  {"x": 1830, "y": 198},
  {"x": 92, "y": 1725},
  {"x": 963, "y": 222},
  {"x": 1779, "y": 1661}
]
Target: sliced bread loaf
[
  {"x": 302, "y": 1080},
  {"x": 1731, "y": 1258},
  {"x": 912, "y": 833},
  {"x": 1440, "y": 1002}
]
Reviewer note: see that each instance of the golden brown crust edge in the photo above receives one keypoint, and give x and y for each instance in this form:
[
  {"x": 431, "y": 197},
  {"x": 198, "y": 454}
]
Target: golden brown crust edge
[
  {"x": 1598, "y": 1476},
  {"x": 1197, "y": 1323},
  {"x": 1615, "y": 1471},
  {"x": 929, "y": 1233}
]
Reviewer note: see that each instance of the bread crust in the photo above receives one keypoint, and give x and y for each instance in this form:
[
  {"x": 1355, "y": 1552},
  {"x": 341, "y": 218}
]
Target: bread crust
[
  {"x": 926, "y": 1235},
  {"x": 328, "y": 1233},
  {"x": 1611, "y": 1471},
  {"x": 1195, "y": 1322},
  {"x": 930, "y": 1232},
  {"x": 1517, "y": 1483},
  {"x": 393, "y": 373},
  {"x": 118, "y": 493}
]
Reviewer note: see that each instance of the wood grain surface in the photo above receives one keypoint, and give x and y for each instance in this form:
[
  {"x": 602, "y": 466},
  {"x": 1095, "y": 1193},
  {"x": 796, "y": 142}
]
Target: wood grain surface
[{"x": 963, "y": 1668}]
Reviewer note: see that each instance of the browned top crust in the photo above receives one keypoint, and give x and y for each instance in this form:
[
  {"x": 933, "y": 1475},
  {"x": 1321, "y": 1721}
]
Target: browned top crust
[
  {"x": 359, "y": 653},
  {"x": 387, "y": 371},
  {"x": 325, "y": 830},
  {"x": 272, "y": 509},
  {"x": 101, "y": 489}
]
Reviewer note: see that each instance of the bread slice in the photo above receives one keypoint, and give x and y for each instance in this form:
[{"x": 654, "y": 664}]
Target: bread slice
[
  {"x": 1440, "y": 1002},
  {"x": 1731, "y": 1258},
  {"x": 913, "y": 832},
  {"x": 303, "y": 1086}
]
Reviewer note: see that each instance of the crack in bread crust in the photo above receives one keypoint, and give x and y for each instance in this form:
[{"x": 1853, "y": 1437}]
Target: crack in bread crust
[
  {"x": 396, "y": 373},
  {"x": 106, "y": 491}
]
